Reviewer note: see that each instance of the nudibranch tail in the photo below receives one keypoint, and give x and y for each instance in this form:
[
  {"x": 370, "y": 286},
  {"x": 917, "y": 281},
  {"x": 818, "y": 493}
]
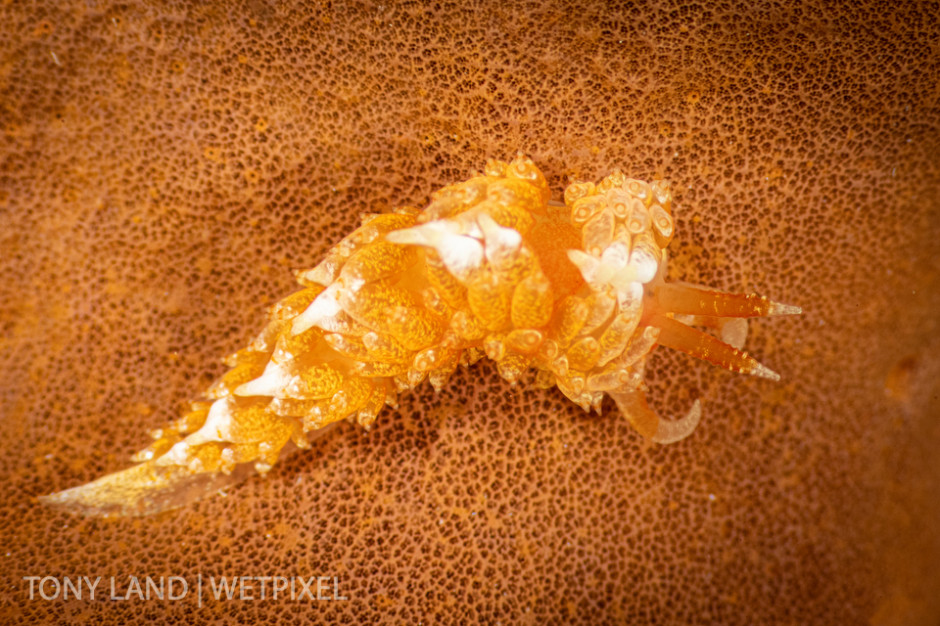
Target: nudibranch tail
[
  {"x": 151, "y": 487},
  {"x": 489, "y": 268},
  {"x": 142, "y": 489}
]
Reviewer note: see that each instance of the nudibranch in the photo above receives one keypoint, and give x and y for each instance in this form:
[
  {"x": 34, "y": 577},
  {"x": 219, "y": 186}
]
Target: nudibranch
[{"x": 491, "y": 267}]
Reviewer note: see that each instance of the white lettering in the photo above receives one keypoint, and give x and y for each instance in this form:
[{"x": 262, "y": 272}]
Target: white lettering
[
  {"x": 176, "y": 587},
  {"x": 320, "y": 581},
  {"x": 68, "y": 584},
  {"x": 134, "y": 587},
  {"x": 157, "y": 591},
  {"x": 226, "y": 587},
  {"x": 185, "y": 588},
  {"x": 32, "y": 580},
  {"x": 91, "y": 586},
  {"x": 263, "y": 580},
  {"x": 42, "y": 586},
  {"x": 336, "y": 595},
  {"x": 280, "y": 584},
  {"x": 305, "y": 588},
  {"x": 241, "y": 593},
  {"x": 114, "y": 595}
]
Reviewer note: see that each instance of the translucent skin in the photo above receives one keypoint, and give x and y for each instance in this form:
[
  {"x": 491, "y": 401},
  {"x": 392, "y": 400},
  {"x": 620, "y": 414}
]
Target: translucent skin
[{"x": 489, "y": 268}]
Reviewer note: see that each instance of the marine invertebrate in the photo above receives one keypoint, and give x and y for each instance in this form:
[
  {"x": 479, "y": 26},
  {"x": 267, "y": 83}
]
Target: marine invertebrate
[{"x": 490, "y": 267}]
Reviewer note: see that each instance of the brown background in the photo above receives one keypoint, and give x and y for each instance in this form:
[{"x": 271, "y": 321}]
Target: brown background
[{"x": 162, "y": 167}]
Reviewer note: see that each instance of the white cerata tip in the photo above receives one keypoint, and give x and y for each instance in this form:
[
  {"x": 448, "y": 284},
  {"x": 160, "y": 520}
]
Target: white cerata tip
[
  {"x": 272, "y": 380},
  {"x": 324, "y": 306}
]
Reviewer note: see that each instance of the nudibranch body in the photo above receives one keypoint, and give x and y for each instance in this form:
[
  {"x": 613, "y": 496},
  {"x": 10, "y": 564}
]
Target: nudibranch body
[{"x": 491, "y": 267}]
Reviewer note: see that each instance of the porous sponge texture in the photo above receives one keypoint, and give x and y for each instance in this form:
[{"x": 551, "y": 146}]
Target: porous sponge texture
[{"x": 163, "y": 167}]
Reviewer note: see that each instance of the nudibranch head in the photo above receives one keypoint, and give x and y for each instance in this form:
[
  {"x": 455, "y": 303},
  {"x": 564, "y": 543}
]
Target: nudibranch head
[{"x": 626, "y": 225}]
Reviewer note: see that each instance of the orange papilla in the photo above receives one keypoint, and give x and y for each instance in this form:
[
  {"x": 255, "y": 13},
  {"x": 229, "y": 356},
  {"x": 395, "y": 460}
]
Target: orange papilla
[{"x": 550, "y": 239}]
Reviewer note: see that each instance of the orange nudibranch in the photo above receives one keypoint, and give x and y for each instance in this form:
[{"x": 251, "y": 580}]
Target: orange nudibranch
[{"x": 491, "y": 267}]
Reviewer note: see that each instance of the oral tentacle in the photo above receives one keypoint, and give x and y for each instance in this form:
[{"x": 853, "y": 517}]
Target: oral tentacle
[
  {"x": 676, "y": 335},
  {"x": 633, "y": 406},
  {"x": 672, "y": 298}
]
